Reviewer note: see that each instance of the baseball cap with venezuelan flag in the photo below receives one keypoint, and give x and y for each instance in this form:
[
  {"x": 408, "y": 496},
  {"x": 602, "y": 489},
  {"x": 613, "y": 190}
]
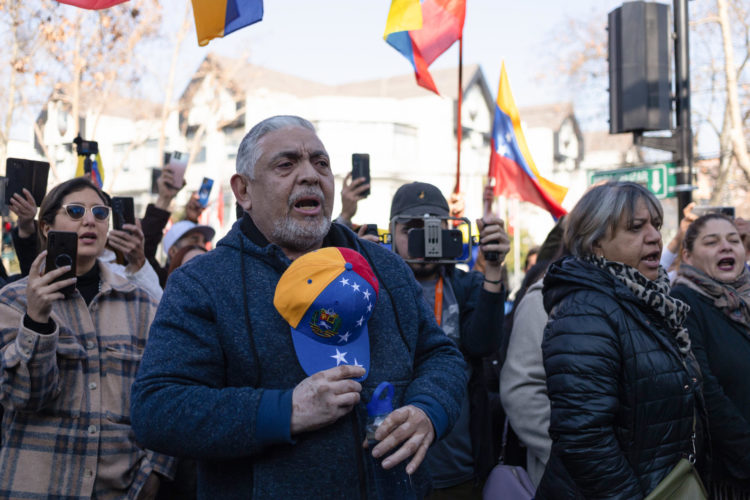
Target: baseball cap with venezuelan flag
[{"x": 327, "y": 297}]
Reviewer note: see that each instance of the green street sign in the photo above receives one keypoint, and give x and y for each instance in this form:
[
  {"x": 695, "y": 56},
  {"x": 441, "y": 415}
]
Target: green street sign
[{"x": 658, "y": 178}]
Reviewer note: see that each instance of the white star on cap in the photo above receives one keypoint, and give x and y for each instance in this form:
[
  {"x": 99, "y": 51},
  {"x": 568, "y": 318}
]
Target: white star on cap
[
  {"x": 344, "y": 281},
  {"x": 361, "y": 320},
  {"x": 369, "y": 307},
  {"x": 357, "y": 364},
  {"x": 339, "y": 357},
  {"x": 356, "y": 287},
  {"x": 366, "y": 293},
  {"x": 344, "y": 337}
]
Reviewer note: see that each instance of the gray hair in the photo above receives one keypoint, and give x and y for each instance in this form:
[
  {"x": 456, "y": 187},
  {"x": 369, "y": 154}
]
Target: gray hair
[
  {"x": 602, "y": 208},
  {"x": 249, "y": 152}
]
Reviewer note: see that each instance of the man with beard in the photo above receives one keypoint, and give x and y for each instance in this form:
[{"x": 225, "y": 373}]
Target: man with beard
[
  {"x": 220, "y": 381},
  {"x": 470, "y": 308}
]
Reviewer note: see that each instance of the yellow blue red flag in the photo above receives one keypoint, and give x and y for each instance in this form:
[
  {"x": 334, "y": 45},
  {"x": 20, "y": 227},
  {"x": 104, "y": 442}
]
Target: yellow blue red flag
[
  {"x": 217, "y": 18},
  {"x": 442, "y": 25},
  {"x": 511, "y": 164}
]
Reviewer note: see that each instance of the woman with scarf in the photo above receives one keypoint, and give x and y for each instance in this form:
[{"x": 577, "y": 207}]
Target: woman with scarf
[
  {"x": 623, "y": 385},
  {"x": 714, "y": 281}
]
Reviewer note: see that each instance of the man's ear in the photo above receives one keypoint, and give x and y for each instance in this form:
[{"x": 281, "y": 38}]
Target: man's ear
[{"x": 242, "y": 189}]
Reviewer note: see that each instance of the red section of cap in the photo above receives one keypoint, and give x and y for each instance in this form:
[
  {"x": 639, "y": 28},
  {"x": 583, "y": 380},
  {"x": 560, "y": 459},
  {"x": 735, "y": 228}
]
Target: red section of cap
[{"x": 360, "y": 266}]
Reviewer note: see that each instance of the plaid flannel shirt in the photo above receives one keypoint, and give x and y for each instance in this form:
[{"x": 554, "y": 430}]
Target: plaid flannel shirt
[{"x": 66, "y": 396}]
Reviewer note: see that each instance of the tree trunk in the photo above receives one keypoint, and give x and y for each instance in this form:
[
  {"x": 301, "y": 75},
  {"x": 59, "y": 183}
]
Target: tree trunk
[
  {"x": 169, "y": 91},
  {"x": 14, "y": 49},
  {"x": 739, "y": 147}
]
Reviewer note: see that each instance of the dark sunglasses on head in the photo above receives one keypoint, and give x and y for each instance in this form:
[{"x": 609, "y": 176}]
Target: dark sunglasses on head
[{"x": 76, "y": 211}]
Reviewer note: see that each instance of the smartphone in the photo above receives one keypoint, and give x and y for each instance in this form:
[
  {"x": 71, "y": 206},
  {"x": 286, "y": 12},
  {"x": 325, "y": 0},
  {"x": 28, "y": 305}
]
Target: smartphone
[
  {"x": 29, "y": 174},
  {"x": 123, "y": 211},
  {"x": 62, "y": 250},
  {"x": 361, "y": 168},
  {"x": 205, "y": 191},
  {"x": 728, "y": 211},
  {"x": 178, "y": 163}
]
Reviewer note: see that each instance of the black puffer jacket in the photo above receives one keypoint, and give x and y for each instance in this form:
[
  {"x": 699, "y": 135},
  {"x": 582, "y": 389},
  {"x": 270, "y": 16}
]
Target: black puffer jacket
[{"x": 622, "y": 395}]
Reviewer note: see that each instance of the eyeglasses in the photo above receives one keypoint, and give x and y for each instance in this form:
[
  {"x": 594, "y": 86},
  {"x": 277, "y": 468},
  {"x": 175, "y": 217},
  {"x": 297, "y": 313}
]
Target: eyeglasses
[{"x": 76, "y": 211}]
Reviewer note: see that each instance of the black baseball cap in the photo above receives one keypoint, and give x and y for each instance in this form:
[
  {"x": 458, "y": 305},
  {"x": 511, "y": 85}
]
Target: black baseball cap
[{"x": 417, "y": 199}]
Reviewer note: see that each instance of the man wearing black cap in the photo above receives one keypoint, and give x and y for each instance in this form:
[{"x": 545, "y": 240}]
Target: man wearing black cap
[{"x": 469, "y": 307}]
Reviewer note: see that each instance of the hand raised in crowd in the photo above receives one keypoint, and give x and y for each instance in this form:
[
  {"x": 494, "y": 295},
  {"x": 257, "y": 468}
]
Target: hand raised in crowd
[
  {"x": 25, "y": 208},
  {"x": 129, "y": 241},
  {"x": 193, "y": 208},
  {"x": 166, "y": 188},
  {"x": 369, "y": 237},
  {"x": 408, "y": 428},
  {"x": 687, "y": 218},
  {"x": 41, "y": 292},
  {"x": 323, "y": 398},
  {"x": 351, "y": 194},
  {"x": 493, "y": 238}
]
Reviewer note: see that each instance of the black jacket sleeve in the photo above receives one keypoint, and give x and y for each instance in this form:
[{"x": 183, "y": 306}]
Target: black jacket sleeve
[
  {"x": 153, "y": 224},
  {"x": 26, "y": 249},
  {"x": 482, "y": 314}
]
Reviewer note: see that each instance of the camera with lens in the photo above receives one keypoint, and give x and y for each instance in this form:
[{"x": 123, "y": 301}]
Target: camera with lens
[
  {"x": 435, "y": 239},
  {"x": 86, "y": 148}
]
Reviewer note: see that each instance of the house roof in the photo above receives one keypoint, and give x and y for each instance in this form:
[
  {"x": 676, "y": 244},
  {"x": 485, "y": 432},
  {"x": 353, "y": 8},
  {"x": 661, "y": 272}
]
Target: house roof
[
  {"x": 113, "y": 105},
  {"x": 546, "y": 115},
  {"x": 602, "y": 140}
]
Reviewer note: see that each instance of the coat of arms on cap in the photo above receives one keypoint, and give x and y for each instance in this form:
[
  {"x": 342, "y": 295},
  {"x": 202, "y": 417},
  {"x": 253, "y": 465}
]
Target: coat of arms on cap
[{"x": 325, "y": 323}]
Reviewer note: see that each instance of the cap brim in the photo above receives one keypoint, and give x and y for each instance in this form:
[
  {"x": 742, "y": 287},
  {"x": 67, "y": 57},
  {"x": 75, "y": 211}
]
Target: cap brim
[
  {"x": 207, "y": 232},
  {"x": 422, "y": 210},
  {"x": 316, "y": 356}
]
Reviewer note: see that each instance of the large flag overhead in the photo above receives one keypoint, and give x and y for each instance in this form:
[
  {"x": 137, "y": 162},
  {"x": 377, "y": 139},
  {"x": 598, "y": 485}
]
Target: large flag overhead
[
  {"x": 92, "y": 4},
  {"x": 442, "y": 25},
  {"x": 217, "y": 18},
  {"x": 511, "y": 164}
]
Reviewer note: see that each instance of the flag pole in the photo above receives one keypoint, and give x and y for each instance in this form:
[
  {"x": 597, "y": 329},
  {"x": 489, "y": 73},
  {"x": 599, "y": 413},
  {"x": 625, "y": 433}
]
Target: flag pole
[{"x": 459, "y": 129}]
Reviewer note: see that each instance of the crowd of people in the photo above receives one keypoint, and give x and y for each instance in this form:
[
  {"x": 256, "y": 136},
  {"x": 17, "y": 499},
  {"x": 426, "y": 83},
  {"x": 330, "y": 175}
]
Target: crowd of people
[{"x": 253, "y": 369}]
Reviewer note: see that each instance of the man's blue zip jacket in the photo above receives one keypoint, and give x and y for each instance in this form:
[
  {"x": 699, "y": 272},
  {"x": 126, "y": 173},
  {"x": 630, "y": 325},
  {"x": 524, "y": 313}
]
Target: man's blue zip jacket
[{"x": 218, "y": 372}]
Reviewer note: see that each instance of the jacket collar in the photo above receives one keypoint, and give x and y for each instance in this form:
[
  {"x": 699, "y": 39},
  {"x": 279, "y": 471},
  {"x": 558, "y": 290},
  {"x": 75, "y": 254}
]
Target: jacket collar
[{"x": 112, "y": 280}]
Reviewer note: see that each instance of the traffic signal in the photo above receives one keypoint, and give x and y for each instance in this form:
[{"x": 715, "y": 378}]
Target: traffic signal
[{"x": 639, "y": 84}]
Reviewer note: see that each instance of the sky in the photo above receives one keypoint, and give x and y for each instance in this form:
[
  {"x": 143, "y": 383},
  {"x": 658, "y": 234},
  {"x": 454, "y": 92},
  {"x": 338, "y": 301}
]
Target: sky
[{"x": 340, "y": 41}]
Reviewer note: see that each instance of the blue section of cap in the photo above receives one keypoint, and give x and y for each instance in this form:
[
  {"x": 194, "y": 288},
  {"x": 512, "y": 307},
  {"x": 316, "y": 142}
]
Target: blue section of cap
[
  {"x": 333, "y": 330},
  {"x": 340, "y": 311},
  {"x": 315, "y": 356}
]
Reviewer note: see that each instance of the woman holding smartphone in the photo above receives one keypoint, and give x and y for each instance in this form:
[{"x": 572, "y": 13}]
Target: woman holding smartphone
[{"x": 68, "y": 360}]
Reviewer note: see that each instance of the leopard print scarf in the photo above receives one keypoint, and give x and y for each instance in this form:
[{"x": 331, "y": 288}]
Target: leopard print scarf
[{"x": 655, "y": 294}]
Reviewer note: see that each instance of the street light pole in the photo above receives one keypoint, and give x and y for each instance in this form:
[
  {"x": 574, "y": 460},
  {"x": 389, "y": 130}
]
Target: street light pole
[{"x": 684, "y": 156}]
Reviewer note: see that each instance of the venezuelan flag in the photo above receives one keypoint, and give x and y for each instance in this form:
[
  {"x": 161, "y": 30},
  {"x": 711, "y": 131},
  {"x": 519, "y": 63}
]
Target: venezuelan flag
[
  {"x": 217, "y": 18},
  {"x": 442, "y": 23},
  {"x": 93, "y": 169},
  {"x": 511, "y": 164},
  {"x": 92, "y": 4}
]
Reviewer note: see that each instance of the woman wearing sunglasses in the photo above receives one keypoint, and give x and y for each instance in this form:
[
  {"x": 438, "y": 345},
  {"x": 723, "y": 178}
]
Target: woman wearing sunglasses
[{"x": 67, "y": 365}]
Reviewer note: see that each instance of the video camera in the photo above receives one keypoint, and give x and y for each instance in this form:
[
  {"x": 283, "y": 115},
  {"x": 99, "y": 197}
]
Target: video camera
[
  {"x": 86, "y": 148},
  {"x": 431, "y": 240}
]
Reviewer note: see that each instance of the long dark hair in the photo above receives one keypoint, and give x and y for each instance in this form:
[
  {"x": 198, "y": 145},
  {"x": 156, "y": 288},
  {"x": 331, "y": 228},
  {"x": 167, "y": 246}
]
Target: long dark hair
[{"x": 52, "y": 202}]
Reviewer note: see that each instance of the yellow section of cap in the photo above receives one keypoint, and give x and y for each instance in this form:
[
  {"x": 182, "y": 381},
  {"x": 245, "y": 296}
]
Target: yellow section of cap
[{"x": 303, "y": 281}]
